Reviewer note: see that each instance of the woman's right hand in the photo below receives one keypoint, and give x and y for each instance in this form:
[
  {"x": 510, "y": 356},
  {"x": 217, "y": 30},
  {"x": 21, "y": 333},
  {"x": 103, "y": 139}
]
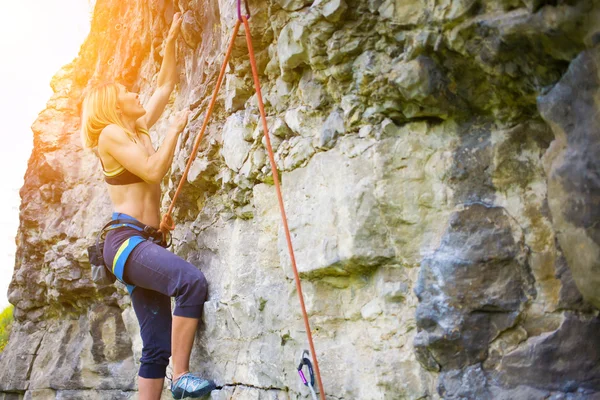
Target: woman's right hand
[
  {"x": 175, "y": 27},
  {"x": 178, "y": 122}
]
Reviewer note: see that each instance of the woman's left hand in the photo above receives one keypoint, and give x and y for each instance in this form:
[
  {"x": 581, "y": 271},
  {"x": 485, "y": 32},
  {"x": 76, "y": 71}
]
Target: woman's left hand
[{"x": 175, "y": 25}]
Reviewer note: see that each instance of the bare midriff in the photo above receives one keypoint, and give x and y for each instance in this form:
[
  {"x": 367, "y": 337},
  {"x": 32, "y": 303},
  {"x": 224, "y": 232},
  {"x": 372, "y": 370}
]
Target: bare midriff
[{"x": 139, "y": 200}]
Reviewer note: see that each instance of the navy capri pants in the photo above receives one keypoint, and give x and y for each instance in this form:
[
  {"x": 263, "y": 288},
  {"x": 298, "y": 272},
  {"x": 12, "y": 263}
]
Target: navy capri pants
[{"x": 154, "y": 275}]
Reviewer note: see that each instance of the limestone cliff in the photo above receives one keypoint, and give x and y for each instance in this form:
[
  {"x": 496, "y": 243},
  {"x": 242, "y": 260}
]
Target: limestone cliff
[{"x": 440, "y": 171}]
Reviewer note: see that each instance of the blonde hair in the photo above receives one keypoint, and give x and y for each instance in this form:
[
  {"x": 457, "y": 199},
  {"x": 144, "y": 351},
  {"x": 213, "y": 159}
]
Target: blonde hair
[{"x": 99, "y": 109}]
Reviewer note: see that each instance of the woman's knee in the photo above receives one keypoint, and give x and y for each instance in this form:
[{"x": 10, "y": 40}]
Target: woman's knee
[
  {"x": 192, "y": 295},
  {"x": 196, "y": 286}
]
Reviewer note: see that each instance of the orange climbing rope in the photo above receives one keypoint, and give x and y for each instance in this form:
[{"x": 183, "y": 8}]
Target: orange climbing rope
[
  {"x": 281, "y": 207},
  {"x": 167, "y": 223}
]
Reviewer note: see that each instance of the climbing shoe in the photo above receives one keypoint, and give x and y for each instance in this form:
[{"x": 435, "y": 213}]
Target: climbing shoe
[{"x": 189, "y": 385}]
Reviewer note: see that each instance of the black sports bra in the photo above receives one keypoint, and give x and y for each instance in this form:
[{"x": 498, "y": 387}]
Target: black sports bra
[{"x": 120, "y": 175}]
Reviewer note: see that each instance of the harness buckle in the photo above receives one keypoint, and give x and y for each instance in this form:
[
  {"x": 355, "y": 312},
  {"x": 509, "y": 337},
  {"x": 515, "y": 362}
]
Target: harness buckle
[
  {"x": 150, "y": 231},
  {"x": 156, "y": 236}
]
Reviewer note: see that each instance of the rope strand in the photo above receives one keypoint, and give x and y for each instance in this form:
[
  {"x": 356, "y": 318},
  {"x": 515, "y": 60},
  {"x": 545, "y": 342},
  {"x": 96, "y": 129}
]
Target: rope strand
[
  {"x": 167, "y": 223},
  {"x": 281, "y": 207}
]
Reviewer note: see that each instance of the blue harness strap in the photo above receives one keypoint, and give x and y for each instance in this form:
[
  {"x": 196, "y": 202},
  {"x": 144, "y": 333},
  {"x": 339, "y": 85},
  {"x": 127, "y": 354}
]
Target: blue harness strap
[
  {"x": 121, "y": 258},
  {"x": 125, "y": 249},
  {"x": 121, "y": 216}
]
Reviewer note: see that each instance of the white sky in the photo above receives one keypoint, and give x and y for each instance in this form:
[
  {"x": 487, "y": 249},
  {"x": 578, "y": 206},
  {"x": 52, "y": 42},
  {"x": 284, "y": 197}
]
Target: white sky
[{"x": 37, "y": 37}]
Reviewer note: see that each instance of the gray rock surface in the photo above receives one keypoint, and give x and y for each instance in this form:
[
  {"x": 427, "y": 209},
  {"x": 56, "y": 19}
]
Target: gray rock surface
[
  {"x": 438, "y": 169},
  {"x": 575, "y": 340},
  {"x": 573, "y": 165},
  {"x": 471, "y": 289}
]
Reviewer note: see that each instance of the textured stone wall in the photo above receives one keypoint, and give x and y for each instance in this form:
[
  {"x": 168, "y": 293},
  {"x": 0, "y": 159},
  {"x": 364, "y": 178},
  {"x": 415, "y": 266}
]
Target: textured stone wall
[{"x": 439, "y": 163}]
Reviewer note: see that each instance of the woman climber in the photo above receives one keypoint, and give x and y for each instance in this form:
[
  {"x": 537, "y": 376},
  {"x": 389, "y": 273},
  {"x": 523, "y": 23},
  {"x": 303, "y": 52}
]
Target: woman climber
[{"x": 115, "y": 125}]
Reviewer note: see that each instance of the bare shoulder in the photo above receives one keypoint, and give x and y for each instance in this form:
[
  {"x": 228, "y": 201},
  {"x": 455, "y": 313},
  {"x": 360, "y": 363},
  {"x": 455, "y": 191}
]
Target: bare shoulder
[{"x": 112, "y": 134}]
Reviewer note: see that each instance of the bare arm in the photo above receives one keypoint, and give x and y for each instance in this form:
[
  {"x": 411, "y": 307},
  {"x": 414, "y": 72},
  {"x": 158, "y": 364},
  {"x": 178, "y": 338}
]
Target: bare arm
[
  {"x": 135, "y": 157},
  {"x": 167, "y": 77}
]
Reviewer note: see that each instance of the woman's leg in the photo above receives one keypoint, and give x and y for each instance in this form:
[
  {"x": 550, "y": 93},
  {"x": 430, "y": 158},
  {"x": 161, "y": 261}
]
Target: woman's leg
[
  {"x": 153, "y": 311},
  {"x": 152, "y": 267},
  {"x": 150, "y": 389},
  {"x": 184, "y": 331}
]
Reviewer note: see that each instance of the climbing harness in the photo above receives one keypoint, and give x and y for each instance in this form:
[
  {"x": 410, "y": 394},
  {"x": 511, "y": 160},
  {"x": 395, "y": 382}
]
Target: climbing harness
[
  {"x": 167, "y": 223},
  {"x": 304, "y": 360},
  {"x": 104, "y": 274}
]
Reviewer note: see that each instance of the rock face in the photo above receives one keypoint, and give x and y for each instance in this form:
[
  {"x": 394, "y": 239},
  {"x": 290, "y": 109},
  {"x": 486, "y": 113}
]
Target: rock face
[
  {"x": 471, "y": 289},
  {"x": 573, "y": 168},
  {"x": 439, "y": 172}
]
